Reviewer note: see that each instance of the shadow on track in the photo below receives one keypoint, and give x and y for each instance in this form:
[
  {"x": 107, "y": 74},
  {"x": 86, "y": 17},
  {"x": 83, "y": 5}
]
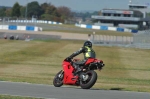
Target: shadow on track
[{"x": 78, "y": 87}]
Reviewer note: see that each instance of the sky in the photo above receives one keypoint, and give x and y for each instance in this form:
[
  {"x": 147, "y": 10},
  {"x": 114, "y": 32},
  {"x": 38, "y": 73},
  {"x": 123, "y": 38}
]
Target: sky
[{"x": 80, "y": 5}]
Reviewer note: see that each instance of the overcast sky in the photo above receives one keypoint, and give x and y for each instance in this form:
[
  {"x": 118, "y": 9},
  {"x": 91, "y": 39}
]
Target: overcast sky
[{"x": 80, "y": 5}]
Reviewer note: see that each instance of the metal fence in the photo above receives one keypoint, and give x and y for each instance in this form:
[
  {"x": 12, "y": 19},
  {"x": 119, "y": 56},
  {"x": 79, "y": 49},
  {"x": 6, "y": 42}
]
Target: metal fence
[
  {"x": 138, "y": 40},
  {"x": 106, "y": 40},
  {"x": 142, "y": 39},
  {"x": 17, "y": 21}
]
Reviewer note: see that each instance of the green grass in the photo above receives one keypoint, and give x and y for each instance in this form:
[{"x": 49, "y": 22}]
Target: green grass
[
  {"x": 16, "y": 97},
  {"x": 73, "y": 29},
  {"x": 38, "y": 62}
]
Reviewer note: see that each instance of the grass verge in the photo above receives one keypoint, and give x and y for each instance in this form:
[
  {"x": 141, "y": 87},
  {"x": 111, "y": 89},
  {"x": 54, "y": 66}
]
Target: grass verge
[
  {"x": 73, "y": 29},
  {"x": 16, "y": 97},
  {"x": 39, "y": 61}
]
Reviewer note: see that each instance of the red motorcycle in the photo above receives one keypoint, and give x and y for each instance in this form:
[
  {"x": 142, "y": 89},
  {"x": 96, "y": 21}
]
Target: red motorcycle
[{"x": 85, "y": 79}]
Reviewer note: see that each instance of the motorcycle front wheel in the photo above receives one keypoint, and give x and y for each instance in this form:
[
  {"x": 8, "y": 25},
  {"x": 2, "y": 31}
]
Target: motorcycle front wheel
[
  {"x": 88, "y": 79},
  {"x": 58, "y": 79}
]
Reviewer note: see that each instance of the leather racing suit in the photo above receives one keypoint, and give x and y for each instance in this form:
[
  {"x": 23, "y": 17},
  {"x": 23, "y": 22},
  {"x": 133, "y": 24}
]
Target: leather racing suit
[{"x": 87, "y": 52}]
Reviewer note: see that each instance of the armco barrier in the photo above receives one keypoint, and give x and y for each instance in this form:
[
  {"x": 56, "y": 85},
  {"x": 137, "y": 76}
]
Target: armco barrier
[
  {"x": 134, "y": 31},
  {"x": 35, "y": 21},
  {"x": 96, "y": 27},
  {"x": 4, "y": 27},
  {"x": 1, "y": 27},
  {"x": 120, "y": 29},
  {"x": 112, "y": 28},
  {"x": 83, "y": 26},
  {"x": 24, "y": 28},
  {"x": 104, "y": 27},
  {"x": 107, "y": 28},
  {"x": 12, "y": 27},
  {"x": 127, "y": 30},
  {"x": 89, "y": 26},
  {"x": 30, "y": 28}
]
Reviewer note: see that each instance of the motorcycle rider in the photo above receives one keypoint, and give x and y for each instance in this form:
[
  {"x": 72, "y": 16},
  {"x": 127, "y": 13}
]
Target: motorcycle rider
[{"x": 87, "y": 51}]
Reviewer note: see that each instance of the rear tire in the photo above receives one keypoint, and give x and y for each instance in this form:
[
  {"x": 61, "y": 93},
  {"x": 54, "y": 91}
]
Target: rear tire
[
  {"x": 58, "y": 80},
  {"x": 90, "y": 81}
]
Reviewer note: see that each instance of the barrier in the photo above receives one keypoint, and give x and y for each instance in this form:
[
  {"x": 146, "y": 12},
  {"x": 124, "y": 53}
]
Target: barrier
[
  {"x": 30, "y": 28},
  {"x": 96, "y": 27},
  {"x": 89, "y": 26},
  {"x": 112, "y": 28},
  {"x": 107, "y": 28},
  {"x": 83, "y": 26},
  {"x": 127, "y": 30},
  {"x": 35, "y": 21},
  {"x": 24, "y": 28},
  {"x": 21, "y": 28},
  {"x": 104, "y": 27},
  {"x": 1, "y": 27},
  {"x": 12, "y": 27},
  {"x": 37, "y": 29},
  {"x": 134, "y": 31},
  {"x": 5, "y": 27},
  {"x": 120, "y": 29}
]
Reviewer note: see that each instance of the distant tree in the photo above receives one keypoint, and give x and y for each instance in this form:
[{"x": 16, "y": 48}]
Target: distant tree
[
  {"x": 22, "y": 11},
  {"x": 44, "y": 6},
  {"x": 16, "y": 10},
  {"x": 8, "y": 12},
  {"x": 148, "y": 14},
  {"x": 99, "y": 13},
  {"x": 65, "y": 12},
  {"x": 2, "y": 12},
  {"x": 46, "y": 17},
  {"x": 50, "y": 12},
  {"x": 50, "y": 9},
  {"x": 34, "y": 9}
]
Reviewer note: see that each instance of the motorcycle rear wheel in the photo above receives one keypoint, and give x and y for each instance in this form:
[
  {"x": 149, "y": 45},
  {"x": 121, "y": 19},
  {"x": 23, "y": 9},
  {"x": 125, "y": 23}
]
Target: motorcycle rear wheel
[
  {"x": 90, "y": 81},
  {"x": 58, "y": 79}
]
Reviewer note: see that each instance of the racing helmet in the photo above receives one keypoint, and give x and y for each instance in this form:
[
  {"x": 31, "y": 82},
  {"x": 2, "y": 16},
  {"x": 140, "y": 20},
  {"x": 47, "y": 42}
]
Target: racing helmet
[{"x": 88, "y": 43}]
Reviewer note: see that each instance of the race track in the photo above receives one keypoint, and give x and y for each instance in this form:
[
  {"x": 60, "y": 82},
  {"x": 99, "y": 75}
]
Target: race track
[{"x": 51, "y": 92}]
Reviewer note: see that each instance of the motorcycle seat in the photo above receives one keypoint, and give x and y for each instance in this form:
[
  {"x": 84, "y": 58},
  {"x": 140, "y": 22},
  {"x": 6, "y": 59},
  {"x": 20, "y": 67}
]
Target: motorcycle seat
[{"x": 80, "y": 63}]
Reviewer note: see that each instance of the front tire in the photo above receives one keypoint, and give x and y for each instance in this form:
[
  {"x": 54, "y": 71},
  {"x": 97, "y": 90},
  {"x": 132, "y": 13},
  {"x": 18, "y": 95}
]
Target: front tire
[
  {"x": 58, "y": 79},
  {"x": 92, "y": 78}
]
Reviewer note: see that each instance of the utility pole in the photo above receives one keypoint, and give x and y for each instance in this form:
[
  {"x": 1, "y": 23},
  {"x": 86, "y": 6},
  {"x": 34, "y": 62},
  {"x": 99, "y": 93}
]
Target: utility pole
[{"x": 26, "y": 12}]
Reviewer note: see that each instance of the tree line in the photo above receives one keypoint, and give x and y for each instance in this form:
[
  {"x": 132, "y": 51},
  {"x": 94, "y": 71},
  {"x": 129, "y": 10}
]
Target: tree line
[{"x": 44, "y": 11}]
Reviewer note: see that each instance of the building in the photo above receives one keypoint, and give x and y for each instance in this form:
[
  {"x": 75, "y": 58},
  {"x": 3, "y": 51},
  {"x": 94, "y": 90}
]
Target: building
[{"x": 136, "y": 17}]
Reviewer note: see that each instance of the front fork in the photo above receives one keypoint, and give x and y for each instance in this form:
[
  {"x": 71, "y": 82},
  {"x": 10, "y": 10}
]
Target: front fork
[{"x": 61, "y": 74}]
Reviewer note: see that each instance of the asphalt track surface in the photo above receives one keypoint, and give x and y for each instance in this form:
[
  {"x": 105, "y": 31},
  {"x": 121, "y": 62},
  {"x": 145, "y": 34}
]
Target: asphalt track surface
[{"x": 64, "y": 92}]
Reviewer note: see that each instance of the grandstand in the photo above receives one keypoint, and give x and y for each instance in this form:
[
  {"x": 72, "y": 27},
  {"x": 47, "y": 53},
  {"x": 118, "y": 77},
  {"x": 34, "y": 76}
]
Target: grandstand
[{"x": 136, "y": 17}]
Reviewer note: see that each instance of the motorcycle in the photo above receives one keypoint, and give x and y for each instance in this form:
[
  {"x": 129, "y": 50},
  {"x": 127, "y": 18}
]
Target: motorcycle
[{"x": 86, "y": 78}]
